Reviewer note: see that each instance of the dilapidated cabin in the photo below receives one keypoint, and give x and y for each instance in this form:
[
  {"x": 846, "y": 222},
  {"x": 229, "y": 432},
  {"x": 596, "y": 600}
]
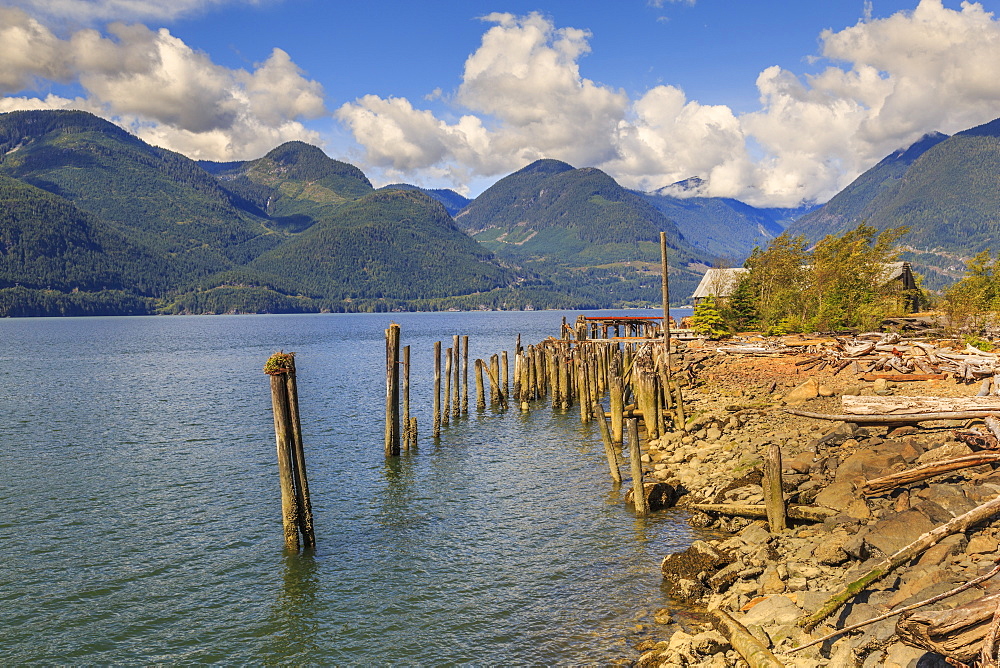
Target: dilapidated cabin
[{"x": 722, "y": 282}]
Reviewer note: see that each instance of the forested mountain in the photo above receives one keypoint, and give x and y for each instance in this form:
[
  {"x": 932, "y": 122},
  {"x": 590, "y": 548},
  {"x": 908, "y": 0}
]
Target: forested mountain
[
  {"x": 722, "y": 227},
  {"x": 579, "y": 225},
  {"x": 94, "y": 220},
  {"x": 946, "y": 190},
  {"x": 453, "y": 202}
]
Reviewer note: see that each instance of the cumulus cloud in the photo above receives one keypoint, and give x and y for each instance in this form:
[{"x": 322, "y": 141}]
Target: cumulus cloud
[
  {"x": 886, "y": 82},
  {"x": 91, "y": 11},
  {"x": 166, "y": 92}
]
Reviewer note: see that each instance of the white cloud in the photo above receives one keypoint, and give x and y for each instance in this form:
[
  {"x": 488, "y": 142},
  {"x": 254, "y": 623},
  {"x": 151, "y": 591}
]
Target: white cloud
[
  {"x": 166, "y": 92},
  {"x": 93, "y": 11},
  {"x": 888, "y": 82}
]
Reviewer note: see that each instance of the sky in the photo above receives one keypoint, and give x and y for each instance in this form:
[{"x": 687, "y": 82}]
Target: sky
[{"x": 774, "y": 102}]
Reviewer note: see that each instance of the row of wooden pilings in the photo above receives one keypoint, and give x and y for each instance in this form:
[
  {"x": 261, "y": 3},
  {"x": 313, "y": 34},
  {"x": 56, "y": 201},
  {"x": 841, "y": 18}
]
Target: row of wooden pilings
[{"x": 635, "y": 377}]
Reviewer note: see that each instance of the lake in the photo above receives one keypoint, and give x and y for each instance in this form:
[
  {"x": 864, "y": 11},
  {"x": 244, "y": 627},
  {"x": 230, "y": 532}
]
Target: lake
[{"x": 141, "y": 512}]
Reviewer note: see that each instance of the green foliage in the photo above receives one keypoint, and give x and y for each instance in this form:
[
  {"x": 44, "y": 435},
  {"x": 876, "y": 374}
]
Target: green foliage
[
  {"x": 707, "y": 321},
  {"x": 974, "y": 301},
  {"x": 842, "y": 283},
  {"x": 978, "y": 342}
]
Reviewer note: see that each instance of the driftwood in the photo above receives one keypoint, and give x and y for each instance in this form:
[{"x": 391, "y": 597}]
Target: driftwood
[
  {"x": 811, "y": 513},
  {"x": 751, "y": 649},
  {"x": 919, "y": 604},
  {"x": 910, "y": 418},
  {"x": 876, "y": 405},
  {"x": 885, "y": 483},
  {"x": 901, "y": 556},
  {"x": 957, "y": 633},
  {"x": 904, "y": 377}
]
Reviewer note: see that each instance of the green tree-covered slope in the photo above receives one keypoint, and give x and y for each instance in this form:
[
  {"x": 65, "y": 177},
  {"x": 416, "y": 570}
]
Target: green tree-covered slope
[{"x": 156, "y": 198}]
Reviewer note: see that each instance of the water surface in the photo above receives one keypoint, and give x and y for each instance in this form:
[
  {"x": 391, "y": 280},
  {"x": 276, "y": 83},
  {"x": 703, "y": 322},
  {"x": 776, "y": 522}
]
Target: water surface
[{"x": 141, "y": 515}]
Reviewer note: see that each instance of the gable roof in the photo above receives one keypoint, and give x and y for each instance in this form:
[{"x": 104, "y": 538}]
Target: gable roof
[{"x": 718, "y": 282}]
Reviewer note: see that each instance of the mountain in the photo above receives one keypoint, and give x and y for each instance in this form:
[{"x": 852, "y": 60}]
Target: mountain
[
  {"x": 580, "y": 230},
  {"x": 946, "y": 190},
  {"x": 452, "y": 201},
  {"x": 720, "y": 226},
  {"x": 292, "y": 186},
  {"x": 155, "y": 198},
  {"x": 94, "y": 220},
  {"x": 867, "y": 194}
]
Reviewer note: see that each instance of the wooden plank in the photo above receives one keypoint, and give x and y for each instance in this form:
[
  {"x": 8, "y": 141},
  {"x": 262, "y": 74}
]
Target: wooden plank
[
  {"x": 897, "y": 405},
  {"x": 904, "y": 377}
]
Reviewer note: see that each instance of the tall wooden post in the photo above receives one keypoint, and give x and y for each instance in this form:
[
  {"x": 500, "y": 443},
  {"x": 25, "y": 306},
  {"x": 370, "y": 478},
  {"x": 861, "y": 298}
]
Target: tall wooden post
[
  {"x": 465, "y": 373},
  {"x": 635, "y": 459},
  {"x": 505, "y": 368},
  {"x": 456, "y": 348},
  {"x": 299, "y": 475},
  {"x": 407, "y": 434},
  {"x": 774, "y": 499},
  {"x": 590, "y": 383},
  {"x": 616, "y": 400},
  {"x": 680, "y": 419},
  {"x": 392, "y": 391},
  {"x": 495, "y": 392},
  {"x": 446, "y": 413},
  {"x": 296, "y": 508},
  {"x": 480, "y": 391},
  {"x": 437, "y": 390}
]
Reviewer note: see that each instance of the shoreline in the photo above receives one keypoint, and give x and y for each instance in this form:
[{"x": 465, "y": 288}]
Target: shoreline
[{"x": 771, "y": 581}]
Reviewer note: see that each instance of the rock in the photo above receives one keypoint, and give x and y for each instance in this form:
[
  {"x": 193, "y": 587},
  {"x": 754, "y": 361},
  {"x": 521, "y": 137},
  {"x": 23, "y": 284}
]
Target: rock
[
  {"x": 709, "y": 642},
  {"x": 896, "y": 531},
  {"x": 831, "y": 551},
  {"x": 836, "y": 496},
  {"x": 980, "y": 544},
  {"x": 949, "y": 451},
  {"x": 770, "y": 581},
  {"x": 898, "y": 655},
  {"x": 804, "y": 392},
  {"x": 865, "y": 465},
  {"x": 825, "y": 391},
  {"x": 776, "y": 610}
]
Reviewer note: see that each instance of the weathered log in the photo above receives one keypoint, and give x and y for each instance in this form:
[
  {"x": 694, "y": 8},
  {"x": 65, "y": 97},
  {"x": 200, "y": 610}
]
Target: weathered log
[
  {"x": 894, "y": 480},
  {"x": 748, "y": 647},
  {"x": 901, "y": 556},
  {"x": 894, "y": 405},
  {"x": 899, "y": 611},
  {"x": 910, "y": 418},
  {"x": 904, "y": 377},
  {"x": 811, "y": 513},
  {"x": 957, "y": 633},
  {"x": 774, "y": 498}
]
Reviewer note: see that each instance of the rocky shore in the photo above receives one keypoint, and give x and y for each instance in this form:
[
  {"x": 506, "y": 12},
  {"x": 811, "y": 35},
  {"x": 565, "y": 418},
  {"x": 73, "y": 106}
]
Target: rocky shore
[{"x": 770, "y": 581}]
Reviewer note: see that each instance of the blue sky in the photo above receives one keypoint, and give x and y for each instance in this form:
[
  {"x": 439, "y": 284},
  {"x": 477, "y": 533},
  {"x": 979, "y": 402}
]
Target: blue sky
[{"x": 773, "y": 102}]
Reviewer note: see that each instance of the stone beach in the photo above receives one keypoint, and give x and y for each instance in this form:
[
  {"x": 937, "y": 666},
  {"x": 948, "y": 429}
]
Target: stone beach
[{"x": 769, "y": 581}]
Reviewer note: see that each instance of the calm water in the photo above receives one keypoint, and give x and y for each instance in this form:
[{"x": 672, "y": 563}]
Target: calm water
[{"x": 141, "y": 515}]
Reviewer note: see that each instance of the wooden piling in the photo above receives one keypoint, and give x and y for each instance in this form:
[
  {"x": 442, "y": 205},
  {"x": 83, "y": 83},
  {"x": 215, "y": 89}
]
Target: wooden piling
[
  {"x": 590, "y": 383},
  {"x": 284, "y": 437},
  {"x": 456, "y": 352},
  {"x": 437, "y": 390},
  {"x": 446, "y": 413},
  {"x": 299, "y": 475},
  {"x": 495, "y": 392},
  {"x": 407, "y": 437},
  {"x": 774, "y": 498},
  {"x": 505, "y": 369},
  {"x": 392, "y": 391},
  {"x": 480, "y": 392},
  {"x": 616, "y": 397},
  {"x": 635, "y": 459},
  {"x": 465, "y": 373},
  {"x": 679, "y": 419}
]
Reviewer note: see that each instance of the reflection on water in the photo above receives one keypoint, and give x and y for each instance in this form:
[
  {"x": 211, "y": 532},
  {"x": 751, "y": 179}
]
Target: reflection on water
[{"x": 142, "y": 521}]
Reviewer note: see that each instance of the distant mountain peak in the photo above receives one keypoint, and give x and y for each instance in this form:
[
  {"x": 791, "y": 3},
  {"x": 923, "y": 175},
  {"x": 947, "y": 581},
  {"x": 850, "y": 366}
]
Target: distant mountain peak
[
  {"x": 693, "y": 186},
  {"x": 991, "y": 129},
  {"x": 546, "y": 166}
]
